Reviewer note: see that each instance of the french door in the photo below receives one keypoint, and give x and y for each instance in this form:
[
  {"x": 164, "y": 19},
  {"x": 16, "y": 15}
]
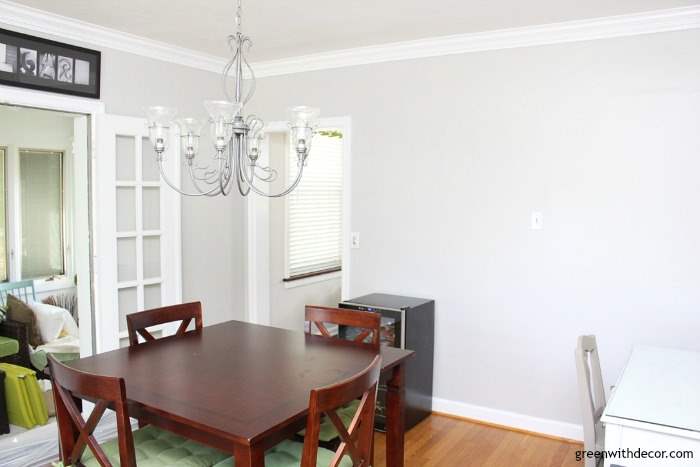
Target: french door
[{"x": 137, "y": 225}]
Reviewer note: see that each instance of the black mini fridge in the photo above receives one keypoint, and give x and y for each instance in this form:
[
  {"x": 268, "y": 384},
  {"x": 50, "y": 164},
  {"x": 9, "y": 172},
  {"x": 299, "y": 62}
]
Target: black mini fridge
[{"x": 407, "y": 323}]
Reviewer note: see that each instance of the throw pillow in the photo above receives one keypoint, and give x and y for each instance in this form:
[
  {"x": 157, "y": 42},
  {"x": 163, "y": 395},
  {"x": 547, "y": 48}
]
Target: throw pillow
[
  {"x": 70, "y": 327},
  {"x": 50, "y": 320},
  {"x": 19, "y": 311}
]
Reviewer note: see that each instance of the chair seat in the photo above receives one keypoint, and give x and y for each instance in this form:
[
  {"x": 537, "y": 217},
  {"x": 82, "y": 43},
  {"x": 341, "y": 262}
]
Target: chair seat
[
  {"x": 288, "y": 454},
  {"x": 159, "y": 448},
  {"x": 328, "y": 431},
  {"x": 8, "y": 346},
  {"x": 40, "y": 359}
]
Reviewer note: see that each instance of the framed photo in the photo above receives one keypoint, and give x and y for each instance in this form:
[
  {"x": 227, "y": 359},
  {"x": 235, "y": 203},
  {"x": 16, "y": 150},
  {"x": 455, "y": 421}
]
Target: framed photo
[{"x": 36, "y": 63}]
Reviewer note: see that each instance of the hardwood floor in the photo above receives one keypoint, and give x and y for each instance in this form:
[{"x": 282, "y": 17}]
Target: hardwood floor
[{"x": 448, "y": 442}]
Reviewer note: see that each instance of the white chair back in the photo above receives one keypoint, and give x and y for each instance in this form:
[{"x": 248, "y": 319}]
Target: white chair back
[{"x": 592, "y": 394}]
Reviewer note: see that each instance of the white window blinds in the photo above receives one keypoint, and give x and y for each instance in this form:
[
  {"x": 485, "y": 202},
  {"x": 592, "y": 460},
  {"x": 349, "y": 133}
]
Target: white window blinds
[
  {"x": 41, "y": 180},
  {"x": 314, "y": 208}
]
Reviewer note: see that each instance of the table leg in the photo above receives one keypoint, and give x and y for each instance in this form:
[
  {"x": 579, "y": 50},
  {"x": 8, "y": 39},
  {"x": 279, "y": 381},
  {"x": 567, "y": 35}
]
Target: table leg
[
  {"x": 395, "y": 407},
  {"x": 249, "y": 456}
]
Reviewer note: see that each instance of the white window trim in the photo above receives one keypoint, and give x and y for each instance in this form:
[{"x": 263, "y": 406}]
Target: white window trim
[{"x": 304, "y": 281}]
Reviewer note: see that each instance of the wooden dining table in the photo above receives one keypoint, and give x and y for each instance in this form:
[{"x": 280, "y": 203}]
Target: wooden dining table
[{"x": 242, "y": 388}]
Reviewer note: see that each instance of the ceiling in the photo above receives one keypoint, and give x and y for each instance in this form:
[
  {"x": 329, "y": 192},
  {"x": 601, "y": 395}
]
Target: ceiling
[{"x": 284, "y": 28}]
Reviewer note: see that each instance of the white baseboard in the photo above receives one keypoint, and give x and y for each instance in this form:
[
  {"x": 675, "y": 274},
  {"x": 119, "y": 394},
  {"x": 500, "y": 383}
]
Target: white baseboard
[{"x": 509, "y": 419}]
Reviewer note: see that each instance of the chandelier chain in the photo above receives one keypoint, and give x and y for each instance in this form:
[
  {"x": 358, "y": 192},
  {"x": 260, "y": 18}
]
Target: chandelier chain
[{"x": 239, "y": 14}]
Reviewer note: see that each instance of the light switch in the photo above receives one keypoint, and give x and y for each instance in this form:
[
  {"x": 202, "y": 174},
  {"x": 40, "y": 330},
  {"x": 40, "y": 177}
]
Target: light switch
[
  {"x": 536, "y": 220},
  {"x": 355, "y": 240}
]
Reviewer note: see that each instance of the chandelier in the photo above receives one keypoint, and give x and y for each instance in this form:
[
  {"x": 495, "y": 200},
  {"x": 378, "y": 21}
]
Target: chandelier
[{"x": 237, "y": 139}]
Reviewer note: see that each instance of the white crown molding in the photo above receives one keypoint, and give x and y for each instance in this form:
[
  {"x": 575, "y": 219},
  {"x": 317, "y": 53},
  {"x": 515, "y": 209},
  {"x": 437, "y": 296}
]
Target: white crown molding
[
  {"x": 38, "y": 21},
  {"x": 15, "y": 16},
  {"x": 674, "y": 19}
]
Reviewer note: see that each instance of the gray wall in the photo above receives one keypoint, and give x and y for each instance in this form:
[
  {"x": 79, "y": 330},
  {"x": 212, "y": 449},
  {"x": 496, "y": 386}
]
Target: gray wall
[
  {"x": 287, "y": 304},
  {"x": 451, "y": 155}
]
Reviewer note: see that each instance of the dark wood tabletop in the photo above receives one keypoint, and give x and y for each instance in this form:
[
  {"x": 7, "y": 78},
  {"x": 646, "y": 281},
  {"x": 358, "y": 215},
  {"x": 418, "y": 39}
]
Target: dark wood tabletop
[{"x": 234, "y": 381}]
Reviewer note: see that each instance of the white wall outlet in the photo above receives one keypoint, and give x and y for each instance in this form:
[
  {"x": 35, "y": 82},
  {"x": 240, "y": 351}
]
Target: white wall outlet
[
  {"x": 536, "y": 220},
  {"x": 355, "y": 240}
]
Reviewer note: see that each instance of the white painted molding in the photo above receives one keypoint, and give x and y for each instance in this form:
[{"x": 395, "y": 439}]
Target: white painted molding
[
  {"x": 15, "y": 16},
  {"x": 43, "y": 23},
  {"x": 674, "y": 19},
  {"x": 509, "y": 419}
]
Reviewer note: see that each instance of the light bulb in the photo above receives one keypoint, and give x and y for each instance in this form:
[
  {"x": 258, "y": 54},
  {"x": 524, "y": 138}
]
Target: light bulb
[
  {"x": 221, "y": 116},
  {"x": 190, "y": 131},
  {"x": 159, "y": 120}
]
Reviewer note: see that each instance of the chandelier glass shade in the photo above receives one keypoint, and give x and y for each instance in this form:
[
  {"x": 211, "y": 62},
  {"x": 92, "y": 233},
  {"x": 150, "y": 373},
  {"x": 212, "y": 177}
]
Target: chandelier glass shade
[{"x": 236, "y": 138}]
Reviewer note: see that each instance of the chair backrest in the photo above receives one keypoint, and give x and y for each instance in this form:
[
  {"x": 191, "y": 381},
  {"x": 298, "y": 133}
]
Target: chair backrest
[
  {"x": 591, "y": 388},
  {"x": 357, "y": 438},
  {"x": 366, "y": 320},
  {"x": 137, "y": 323},
  {"x": 24, "y": 290},
  {"x": 69, "y": 387}
]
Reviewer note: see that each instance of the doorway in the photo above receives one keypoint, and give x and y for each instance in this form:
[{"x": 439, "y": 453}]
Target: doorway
[{"x": 45, "y": 269}]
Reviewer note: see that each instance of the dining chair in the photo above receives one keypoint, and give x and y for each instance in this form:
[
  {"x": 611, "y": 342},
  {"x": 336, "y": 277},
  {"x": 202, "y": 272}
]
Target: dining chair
[
  {"x": 592, "y": 394},
  {"x": 147, "y": 446},
  {"x": 137, "y": 323},
  {"x": 367, "y": 321},
  {"x": 358, "y": 436},
  {"x": 369, "y": 324},
  {"x": 355, "y": 450}
]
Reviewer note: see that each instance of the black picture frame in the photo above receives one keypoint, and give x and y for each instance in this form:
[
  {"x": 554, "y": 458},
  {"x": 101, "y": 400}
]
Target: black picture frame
[{"x": 36, "y": 63}]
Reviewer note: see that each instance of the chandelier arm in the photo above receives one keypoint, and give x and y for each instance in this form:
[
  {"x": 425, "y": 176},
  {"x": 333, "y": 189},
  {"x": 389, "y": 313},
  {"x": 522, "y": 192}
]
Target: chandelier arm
[
  {"x": 223, "y": 180},
  {"x": 213, "y": 192},
  {"x": 282, "y": 193},
  {"x": 243, "y": 187},
  {"x": 227, "y": 184},
  {"x": 171, "y": 185},
  {"x": 271, "y": 177},
  {"x": 207, "y": 177}
]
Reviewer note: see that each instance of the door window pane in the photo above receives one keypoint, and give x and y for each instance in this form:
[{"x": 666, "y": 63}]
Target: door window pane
[
  {"x": 151, "y": 296},
  {"x": 126, "y": 259},
  {"x": 151, "y": 257},
  {"x": 127, "y": 305},
  {"x": 41, "y": 181},
  {"x": 149, "y": 163},
  {"x": 151, "y": 208},
  {"x": 126, "y": 158},
  {"x": 126, "y": 209}
]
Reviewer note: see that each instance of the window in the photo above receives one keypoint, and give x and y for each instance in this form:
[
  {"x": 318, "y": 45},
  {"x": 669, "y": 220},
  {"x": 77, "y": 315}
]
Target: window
[
  {"x": 32, "y": 242},
  {"x": 314, "y": 209},
  {"x": 41, "y": 200}
]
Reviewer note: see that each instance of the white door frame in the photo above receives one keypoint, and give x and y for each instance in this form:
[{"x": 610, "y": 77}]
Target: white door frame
[
  {"x": 84, "y": 258},
  {"x": 258, "y": 226}
]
